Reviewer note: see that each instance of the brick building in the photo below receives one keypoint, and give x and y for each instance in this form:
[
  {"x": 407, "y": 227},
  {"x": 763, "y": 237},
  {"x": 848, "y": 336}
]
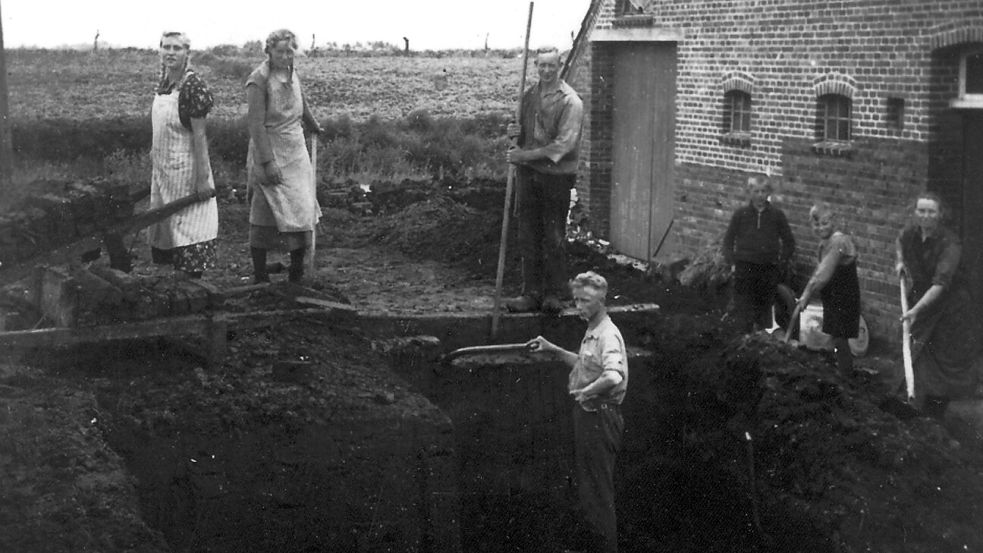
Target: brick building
[{"x": 862, "y": 103}]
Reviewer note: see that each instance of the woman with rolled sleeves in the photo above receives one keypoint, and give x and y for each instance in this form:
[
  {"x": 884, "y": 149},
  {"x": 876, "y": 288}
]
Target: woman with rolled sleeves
[
  {"x": 280, "y": 178},
  {"x": 945, "y": 327},
  {"x": 181, "y": 167}
]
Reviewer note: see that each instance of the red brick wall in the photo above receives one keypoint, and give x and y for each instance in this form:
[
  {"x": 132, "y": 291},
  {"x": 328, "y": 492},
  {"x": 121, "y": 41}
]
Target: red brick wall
[{"x": 789, "y": 52}]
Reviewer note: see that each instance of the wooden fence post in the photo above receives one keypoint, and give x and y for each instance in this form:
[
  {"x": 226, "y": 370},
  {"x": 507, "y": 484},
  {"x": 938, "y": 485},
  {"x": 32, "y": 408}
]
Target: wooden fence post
[{"x": 6, "y": 146}]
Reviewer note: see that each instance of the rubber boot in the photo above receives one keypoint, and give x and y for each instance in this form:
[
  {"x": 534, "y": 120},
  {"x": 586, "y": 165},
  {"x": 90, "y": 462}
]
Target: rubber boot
[
  {"x": 260, "y": 274},
  {"x": 844, "y": 358},
  {"x": 296, "y": 271}
]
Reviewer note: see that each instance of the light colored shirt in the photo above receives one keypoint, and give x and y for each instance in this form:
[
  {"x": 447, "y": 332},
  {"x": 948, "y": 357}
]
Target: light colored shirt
[
  {"x": 602, "y": 349},
  {"x": 552, "y": 120}
]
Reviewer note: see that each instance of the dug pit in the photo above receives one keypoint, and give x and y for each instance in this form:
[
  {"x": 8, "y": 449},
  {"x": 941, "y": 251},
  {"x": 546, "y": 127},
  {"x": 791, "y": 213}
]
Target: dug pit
[{"x": 317, "y": 436}]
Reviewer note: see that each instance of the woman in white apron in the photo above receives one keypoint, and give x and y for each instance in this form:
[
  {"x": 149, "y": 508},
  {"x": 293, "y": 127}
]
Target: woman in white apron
[
  {"x": 279, "y": 178},
  {"x": 186, "y": 240}
]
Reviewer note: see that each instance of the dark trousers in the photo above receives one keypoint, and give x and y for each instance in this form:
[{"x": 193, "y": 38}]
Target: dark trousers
[
  {"x": 597, "y": 440},
  {"x": 543, "y": 202},
  {"x": 754, "y": 294}
]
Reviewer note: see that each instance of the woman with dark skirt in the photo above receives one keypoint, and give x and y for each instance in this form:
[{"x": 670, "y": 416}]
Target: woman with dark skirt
[
  {"x": 835, "y": 278},
  {"x": 946, "y": 334},
  {"x": 181, "y": 167}
]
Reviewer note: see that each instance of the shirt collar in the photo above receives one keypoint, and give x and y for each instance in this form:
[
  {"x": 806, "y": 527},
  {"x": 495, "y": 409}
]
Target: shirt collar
[{"x": 596, "y": 331}]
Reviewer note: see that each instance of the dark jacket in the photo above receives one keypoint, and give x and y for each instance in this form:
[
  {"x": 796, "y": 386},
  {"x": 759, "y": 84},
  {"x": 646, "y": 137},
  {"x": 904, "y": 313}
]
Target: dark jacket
[{"x": 758, "y": 237}]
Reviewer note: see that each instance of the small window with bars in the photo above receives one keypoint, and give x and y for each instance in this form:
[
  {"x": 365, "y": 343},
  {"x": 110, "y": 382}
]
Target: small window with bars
[
  {"x": 737, "y": 112},
  {"x": 834, "y": 118}
]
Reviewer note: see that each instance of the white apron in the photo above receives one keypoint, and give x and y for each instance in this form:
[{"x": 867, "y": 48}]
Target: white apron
[
  {"x": 174, "y": 177},
  {"x": 291, "y": 206}
]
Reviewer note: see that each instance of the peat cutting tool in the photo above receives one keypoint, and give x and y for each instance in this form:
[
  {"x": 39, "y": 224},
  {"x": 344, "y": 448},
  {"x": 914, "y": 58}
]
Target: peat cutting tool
[
  {"x": 478, "y": 350},
  {"x": 312, "y": 247},
  {"x": 909, "y": 369},
  {"x": 509, "y": 184},
  {"x": 793, "y": 322}
]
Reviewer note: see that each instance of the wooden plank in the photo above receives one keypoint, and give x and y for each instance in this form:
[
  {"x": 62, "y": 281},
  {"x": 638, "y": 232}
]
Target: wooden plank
[
  {"x": 62, "y": 336},
  {"x": 260, "y": 319},
  {"x": 325, "y": 304}
]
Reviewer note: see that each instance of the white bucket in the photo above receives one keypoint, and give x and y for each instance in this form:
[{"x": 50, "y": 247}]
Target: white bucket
[{"x": 811, "y": 333}]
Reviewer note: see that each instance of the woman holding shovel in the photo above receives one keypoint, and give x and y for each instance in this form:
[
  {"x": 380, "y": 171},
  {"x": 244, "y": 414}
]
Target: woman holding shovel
[
  {"x": 945, "y": 330},
  {"x": 181, "y": 168},
  {"x": 280, "y": 177}
]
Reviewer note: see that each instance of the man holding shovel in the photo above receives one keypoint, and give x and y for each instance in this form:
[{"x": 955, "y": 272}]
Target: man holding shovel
[
  {"x": 548, "y": 137},
  {"x": 597, "y": 382}
]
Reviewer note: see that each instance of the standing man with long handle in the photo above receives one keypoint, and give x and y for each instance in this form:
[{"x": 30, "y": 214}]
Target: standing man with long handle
[
  {"x": 548, "y": 138},
  {"x": 504, "y": 240},
  {"x": 597, "y": 382}
]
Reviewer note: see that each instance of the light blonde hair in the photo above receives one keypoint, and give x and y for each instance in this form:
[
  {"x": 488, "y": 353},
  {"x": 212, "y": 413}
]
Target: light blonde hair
[
  {"x": 817, "y": 211},
  {"x": 549, "y": 50},
  {"x": 590, "y": 279},
  {"x": 185, "y": 42}
]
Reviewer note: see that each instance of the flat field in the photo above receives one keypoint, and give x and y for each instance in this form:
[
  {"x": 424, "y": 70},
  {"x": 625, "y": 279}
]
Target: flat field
[{"x": 120, "y": 83}]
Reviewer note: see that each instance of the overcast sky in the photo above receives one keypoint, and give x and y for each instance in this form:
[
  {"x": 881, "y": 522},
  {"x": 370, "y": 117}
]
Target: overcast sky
[{"x": 429, "y": 24}]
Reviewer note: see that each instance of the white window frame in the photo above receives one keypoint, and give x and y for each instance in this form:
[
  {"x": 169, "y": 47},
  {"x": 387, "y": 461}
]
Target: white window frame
[{"x": 964, "y": 100}]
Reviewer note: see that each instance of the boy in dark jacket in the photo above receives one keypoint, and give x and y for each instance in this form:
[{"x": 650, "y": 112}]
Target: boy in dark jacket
[{"x": 757, "y": 244}]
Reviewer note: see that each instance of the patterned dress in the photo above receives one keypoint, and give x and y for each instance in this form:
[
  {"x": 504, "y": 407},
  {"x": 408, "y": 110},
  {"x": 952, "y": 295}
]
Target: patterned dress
[{"x": 185, "y": 240}]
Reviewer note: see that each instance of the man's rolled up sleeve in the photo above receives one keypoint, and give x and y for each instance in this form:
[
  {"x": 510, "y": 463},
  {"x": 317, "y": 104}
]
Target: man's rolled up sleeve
[{"x": 613, "y": 355}]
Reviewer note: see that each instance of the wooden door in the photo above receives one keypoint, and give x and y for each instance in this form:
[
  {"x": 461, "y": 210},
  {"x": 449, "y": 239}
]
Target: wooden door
[
  {"x": 643, "y": 128},
  {"x": 971, "y": 223}
]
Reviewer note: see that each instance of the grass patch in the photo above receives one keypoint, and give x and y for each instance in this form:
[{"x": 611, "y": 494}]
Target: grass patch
[{"x": 416, "y": 147}]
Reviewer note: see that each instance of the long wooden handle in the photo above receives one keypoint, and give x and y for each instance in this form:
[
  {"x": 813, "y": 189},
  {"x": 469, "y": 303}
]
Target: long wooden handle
[
  {"x": 909, "y": 368},
  {"x": 497, "y": 348},
  {"x": 312, "y": 247},
  {"x": 157, "y": 215},
  {"x": 509, "y": 183},
  {"x": 792, "y": 322}
]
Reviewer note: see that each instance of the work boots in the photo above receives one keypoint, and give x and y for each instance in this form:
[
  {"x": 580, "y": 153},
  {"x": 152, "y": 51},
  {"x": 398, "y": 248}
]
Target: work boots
[
  {"x": 260, "y": 272},
  {"x": 296, "y": 270}
]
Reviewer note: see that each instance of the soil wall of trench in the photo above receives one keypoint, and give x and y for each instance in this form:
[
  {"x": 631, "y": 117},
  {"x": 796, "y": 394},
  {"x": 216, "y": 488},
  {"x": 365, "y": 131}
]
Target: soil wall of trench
[{"x": 308, "y": 440}]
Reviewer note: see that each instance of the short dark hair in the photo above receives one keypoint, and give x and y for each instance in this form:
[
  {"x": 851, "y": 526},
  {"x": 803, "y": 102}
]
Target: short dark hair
[
  {"x": 935, "y": 197},
  {"x": 760, "y": 178}
]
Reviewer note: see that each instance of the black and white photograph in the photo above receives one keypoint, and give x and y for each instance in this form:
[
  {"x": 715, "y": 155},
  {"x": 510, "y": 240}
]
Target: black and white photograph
[{"x": 547, "y": 276}]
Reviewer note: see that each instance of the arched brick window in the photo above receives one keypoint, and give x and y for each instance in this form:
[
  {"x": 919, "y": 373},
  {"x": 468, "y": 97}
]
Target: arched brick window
[
  {"x": 834, "y": 118},
  {"x": 738, "y": 88},
  {"x": 737, "y": 111}
]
